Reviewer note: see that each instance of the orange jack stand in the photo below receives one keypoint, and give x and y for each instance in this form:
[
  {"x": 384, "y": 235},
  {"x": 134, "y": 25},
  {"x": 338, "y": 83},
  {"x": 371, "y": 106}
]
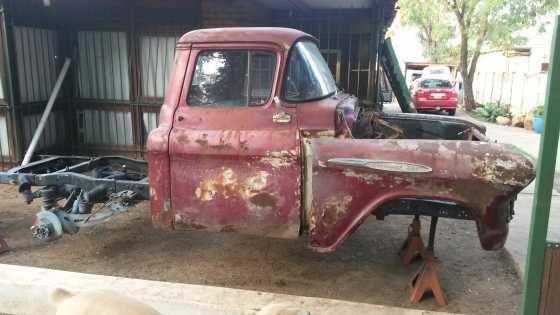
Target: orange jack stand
[
  {"x": 3, "y": 246},
  {"x": 426, "y": 279},
  {"x": 413, "y": 246}
]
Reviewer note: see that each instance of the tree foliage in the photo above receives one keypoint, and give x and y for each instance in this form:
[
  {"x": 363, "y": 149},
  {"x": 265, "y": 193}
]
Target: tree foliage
[
  {"x": 436, "y": 28},
  {"x": 492, "y": 24}
]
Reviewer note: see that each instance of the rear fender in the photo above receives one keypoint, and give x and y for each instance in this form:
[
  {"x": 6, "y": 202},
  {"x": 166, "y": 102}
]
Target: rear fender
[{"x": 349, "y": 179}]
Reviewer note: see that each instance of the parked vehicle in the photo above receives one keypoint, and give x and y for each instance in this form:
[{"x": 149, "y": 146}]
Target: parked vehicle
[
  {"x": 437, "y": 71},
  {"x": 434, "y": 94},
  {"x": 254, "y": 138}
]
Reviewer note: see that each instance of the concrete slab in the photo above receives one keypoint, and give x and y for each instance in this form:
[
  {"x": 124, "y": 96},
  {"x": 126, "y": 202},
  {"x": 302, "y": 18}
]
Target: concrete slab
[
  {"x": 518, "y": 238},
  {"x": 24, "y": 290}
]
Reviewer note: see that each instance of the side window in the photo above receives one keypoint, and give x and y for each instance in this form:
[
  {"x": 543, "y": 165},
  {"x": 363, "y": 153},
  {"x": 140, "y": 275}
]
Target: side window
[{"x": 232, "y": 78}]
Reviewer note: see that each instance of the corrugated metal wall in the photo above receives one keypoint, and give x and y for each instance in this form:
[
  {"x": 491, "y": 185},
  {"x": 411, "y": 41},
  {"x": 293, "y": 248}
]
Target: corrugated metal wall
[
  {"x": 156, "y": 58},
  {"x": 4, "y": 146},
  {"x": 53, "y": 133},
  {"x": 150, "y": 122},
  {"x": 36, "y": 51},
  {"x": 101, "y": 127},
  {"x": 103, "y": 66}
]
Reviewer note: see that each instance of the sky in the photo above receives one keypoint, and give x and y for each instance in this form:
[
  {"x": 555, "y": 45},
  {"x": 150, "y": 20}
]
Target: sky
[{"x": 405, "y": 43}]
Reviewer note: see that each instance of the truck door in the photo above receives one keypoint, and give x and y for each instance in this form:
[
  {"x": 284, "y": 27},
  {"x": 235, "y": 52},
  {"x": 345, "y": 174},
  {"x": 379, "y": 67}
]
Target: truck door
[{"x": 234, "y": 153}]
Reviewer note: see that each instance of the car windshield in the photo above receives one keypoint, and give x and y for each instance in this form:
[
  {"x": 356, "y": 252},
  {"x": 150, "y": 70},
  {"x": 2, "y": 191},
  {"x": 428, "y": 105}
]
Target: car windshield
[
  {"x": 435, "y": 83},
  {"x": 308, "y": 76}
]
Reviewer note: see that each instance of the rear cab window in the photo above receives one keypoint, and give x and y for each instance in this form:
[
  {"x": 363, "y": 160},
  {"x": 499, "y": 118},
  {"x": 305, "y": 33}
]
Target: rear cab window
[
  {"x": 232, "y": 78},
  {"x": 435, "y": 83}
]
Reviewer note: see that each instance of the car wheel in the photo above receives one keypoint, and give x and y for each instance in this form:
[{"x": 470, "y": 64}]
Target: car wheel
[{"x": 451, "y": 112}]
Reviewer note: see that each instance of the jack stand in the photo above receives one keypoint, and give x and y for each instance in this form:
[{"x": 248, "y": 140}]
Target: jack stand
[
  {"x": 3, "y": 245},
  {"x": 426, "y": 278},
  {"x": 413, "y": 246}
]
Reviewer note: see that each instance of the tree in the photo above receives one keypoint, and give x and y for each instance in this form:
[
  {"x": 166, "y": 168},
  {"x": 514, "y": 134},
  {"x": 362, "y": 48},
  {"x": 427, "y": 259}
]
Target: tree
[
  {"x": 492, "y": 23},
  {"x": 436, "y": 28}
]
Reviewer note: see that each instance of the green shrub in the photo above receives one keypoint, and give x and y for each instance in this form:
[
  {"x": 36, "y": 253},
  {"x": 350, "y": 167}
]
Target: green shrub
[
  {"x": 490, "y": 111},
  {"x": 539, "y": 110}
]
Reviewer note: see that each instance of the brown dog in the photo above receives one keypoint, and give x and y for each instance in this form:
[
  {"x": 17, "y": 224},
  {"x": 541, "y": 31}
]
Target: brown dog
[{"x": 98, "y": 302}]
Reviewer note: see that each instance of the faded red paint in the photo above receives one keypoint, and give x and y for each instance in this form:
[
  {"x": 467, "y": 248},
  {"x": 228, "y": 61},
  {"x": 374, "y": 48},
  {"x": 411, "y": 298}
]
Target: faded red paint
[
  {"x": 477, "y": 175},
  {"x": 233, "y": 169}
]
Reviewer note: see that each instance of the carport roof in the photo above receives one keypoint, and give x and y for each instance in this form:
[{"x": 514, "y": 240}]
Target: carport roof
[{"x": 318, "y": 4}]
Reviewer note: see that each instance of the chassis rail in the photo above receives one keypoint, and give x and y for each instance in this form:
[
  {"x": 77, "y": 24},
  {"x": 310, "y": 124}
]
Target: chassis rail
[{"x": 78, "y": 191}]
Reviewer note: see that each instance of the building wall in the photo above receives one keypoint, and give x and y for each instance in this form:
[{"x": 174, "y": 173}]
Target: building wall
[
  {"x": 516, "y": 81},
  {"x": 224, "y": 13},
  {"x": 122, "y": 58}
]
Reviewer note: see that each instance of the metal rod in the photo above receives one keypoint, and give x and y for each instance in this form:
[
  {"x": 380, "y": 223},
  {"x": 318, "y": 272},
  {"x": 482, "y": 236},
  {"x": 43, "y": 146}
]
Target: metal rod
[
  {"x": 544, "y": 183},
  {"x": 46, "y": 113},
  {"x": 431, "y": 240}
]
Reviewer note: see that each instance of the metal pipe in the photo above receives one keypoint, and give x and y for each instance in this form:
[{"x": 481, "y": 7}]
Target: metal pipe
[
  {"x": 46, "y": 113},
  {"x": 544, "y": 183}
]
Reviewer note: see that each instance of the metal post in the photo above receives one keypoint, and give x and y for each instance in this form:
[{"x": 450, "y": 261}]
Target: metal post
[
  {"x": 544, "y": 183},
  {"x": 46, "y": 113},
  {"x": 391, "y": 67}
]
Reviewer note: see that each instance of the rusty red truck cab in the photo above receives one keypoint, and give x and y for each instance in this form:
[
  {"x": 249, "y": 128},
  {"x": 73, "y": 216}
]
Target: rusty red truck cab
[{"x": 254, "y": 137}]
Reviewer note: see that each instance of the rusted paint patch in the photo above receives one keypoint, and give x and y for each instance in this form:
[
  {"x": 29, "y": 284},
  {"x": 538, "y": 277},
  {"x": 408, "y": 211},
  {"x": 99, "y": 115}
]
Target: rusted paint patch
[
  {"x": 183, "y": 138},
  {"x": 368, "y": 178},
  {"x": 318, "y": 133},
  {"x": 225, "y": 183},
  {"x": 264, "y": 200},
  {"x": 252, "y": 189},
  {"x": 497, "y": 170},
  {"x": 307, "y": 197},
  {"x": 279, "y": 159},
  {"x": 202, "y": 141},
  {"x": 334, "y": 208}
]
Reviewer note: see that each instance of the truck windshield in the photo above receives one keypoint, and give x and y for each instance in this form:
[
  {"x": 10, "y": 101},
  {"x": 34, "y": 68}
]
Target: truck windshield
[{"x": 307, "y": 77}]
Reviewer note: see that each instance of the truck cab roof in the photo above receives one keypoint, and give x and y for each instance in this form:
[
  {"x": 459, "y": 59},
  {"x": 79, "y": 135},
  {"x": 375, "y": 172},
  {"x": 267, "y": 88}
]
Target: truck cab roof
[{"x": 284, "y": 37}]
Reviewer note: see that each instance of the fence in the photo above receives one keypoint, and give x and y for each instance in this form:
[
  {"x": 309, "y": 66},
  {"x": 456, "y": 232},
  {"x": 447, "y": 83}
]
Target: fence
[{"x": 521, "y": 92}]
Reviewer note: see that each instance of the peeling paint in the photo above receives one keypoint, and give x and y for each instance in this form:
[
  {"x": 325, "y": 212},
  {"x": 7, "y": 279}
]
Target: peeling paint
[
  {"x": 227, "y": 186},
  {"x": 278, "y": 159},
  {"x": 366, "y": 177},
  {"x": 334, "y": 208}
]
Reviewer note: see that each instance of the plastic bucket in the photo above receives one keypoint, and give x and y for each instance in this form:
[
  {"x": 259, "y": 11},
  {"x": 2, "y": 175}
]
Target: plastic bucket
[{"x": 538, "y": 124}]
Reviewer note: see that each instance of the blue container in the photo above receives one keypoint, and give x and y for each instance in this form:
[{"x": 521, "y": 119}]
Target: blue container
[{"x": 538, "y": 124}]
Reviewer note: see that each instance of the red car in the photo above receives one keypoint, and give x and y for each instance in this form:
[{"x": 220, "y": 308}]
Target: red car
[{"x": 434, "y": 94}]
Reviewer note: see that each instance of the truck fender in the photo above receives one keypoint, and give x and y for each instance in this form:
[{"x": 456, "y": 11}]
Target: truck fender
[{"x": 347, "y": 180}]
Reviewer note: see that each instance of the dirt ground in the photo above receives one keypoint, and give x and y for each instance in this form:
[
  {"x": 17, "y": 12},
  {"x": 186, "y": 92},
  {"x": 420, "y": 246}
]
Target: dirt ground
[{"x": 366, "y": 268}]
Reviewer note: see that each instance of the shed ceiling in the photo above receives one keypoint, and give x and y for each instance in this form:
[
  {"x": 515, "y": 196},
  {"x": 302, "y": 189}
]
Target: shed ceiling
[{"x": 316, "y": 4}]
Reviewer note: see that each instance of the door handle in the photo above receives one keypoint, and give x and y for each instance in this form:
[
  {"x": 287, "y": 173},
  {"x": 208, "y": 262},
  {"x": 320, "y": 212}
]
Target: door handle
[{"x": 281, "y": 118}]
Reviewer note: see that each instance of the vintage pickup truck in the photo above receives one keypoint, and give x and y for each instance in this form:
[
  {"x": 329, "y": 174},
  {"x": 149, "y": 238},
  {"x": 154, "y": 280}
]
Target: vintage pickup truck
[{"x": 254, "y": 137}]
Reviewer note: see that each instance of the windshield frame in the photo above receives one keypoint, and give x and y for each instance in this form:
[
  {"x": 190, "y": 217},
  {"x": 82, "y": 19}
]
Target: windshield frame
[{"x": 285, "y": 74}]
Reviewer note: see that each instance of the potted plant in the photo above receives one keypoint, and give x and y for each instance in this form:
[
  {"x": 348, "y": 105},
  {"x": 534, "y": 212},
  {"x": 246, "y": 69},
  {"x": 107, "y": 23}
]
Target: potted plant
[{"x": 538, "y": 119}]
